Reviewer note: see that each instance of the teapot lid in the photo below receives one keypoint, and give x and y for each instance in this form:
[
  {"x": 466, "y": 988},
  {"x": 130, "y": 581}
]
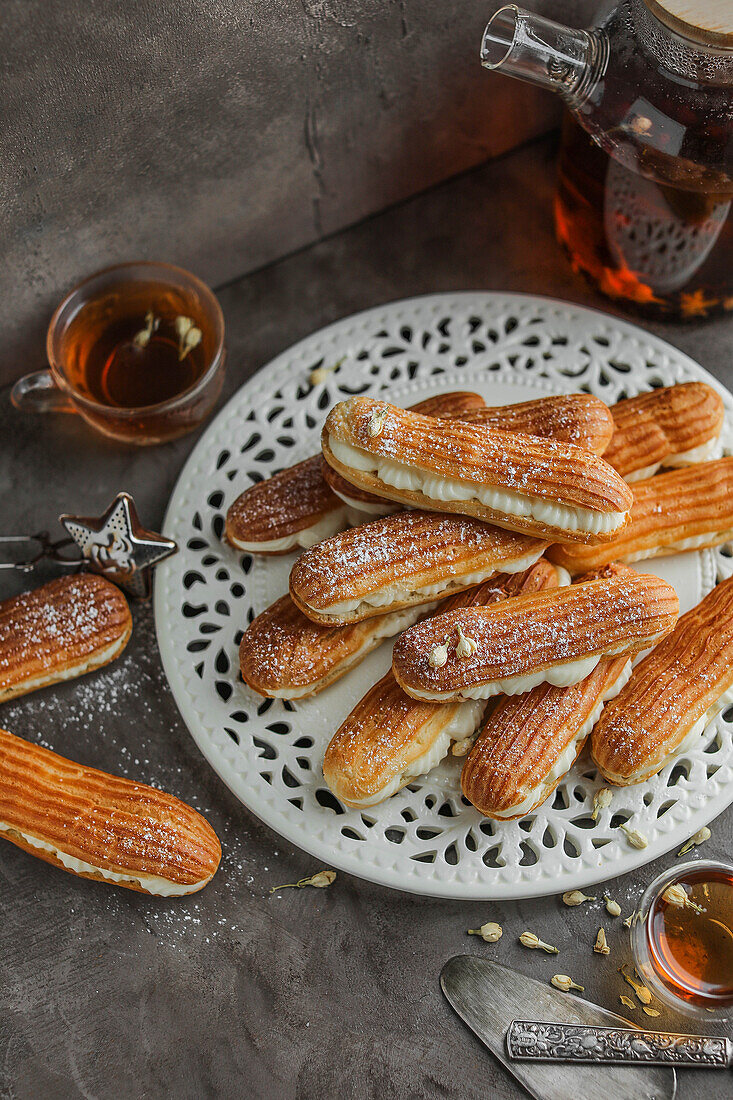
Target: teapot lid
[{"x": 708, "y": 22}]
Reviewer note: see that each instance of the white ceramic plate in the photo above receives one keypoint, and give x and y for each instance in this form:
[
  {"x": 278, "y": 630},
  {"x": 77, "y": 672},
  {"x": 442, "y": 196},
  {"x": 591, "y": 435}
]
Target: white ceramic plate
[{"x": 426, "y": 839}]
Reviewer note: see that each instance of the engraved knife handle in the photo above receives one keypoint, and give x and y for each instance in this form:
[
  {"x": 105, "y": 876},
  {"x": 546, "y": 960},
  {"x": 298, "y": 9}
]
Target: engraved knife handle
[{"x": 531, "y": 1041}]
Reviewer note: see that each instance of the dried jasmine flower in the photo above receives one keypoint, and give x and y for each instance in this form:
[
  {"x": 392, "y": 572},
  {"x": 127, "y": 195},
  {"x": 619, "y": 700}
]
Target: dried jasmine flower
[
  {"x": 460, "y": 748},
  {"x": 640, "y": 124},
  {"x": 562, "y": 981},
  {"x": 438, "y": 656},
  {"x": 576, "y": 897},
  {"x": 649, "y": 1011},
  {"x": 321, "y": 879},
  {"x": 601, "y": 945},
  {"x": 677, "y": 895},
  {"x": 141, "y": 339},
  {"x": 376, "y": 422},
  {"x": 612, "y": 907},
  {"x": 629, "y": 920},
  {"x": 189, "y": 336},
  {"x": 640, "y": 990},
  {"x": 601, "y": 800},
  {"x": 490, "y": 932},
  {"x": 528, "y": 939},
  {"x": 627, "y": 1001},
  {"x": 466, "y": 646},
  {"x": 699, "y": 838},
  {"x": 635, "y": 839}
]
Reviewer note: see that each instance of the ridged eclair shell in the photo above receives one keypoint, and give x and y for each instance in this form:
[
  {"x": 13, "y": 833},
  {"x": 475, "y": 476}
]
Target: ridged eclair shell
[
  {"x": 525, "y": 735},
  {"x": 535, "y": 470},
  {"x": 406, "y": 551},
  {"x": 669, "y": 690},
  {"x": 104, "y": 821},
  {"x": 295, "y": 500},
  {"x": 576, "y": 418},
  {"x": 63, "y": 629},
  {"x": 653, "y": 427},
  {"x": 285, "y": 655},
  {"x": 609, "y": 616},
  {"x": 691, "y": 503},
  {"x": 387, "y": 730}
]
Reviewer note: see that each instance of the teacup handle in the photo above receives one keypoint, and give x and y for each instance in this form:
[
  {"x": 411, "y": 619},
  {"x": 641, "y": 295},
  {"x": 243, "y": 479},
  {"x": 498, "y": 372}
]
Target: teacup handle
[{"x": 39, "y": 393}]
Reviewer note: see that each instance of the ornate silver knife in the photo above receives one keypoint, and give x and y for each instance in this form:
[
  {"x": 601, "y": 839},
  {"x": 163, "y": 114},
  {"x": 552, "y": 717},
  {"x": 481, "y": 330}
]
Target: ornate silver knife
[{"x": 531, "y": 1041}]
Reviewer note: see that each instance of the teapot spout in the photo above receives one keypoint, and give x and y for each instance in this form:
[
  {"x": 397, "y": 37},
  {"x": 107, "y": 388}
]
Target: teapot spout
[{"x": 564, "y": 60}]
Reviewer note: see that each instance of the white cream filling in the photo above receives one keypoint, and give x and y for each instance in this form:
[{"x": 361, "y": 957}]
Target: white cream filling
[
  {"x": 463, "y": 724},
  {"x": 330, "y": 524},
  {"x": 397, "y": 593},
  {"x": 704, "y": 453},
  {"x": 55, "y": 676},
  {"x": 368, "y": 507},
  {"x": 437, "y": 488},
  {"x": 563, "y": 576},
  {"x": 692, "y": 736},
  {"x": 567, "y": 757},
  {"x": 385, "y": 626},
  {"x": 681, "y": 546},
  {"x": 563, "y": 674},
  {"x": 152, "y": 884}
]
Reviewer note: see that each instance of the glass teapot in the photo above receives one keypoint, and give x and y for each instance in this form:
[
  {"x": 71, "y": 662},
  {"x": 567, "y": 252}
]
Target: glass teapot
[{"x": 643, "y": 205}]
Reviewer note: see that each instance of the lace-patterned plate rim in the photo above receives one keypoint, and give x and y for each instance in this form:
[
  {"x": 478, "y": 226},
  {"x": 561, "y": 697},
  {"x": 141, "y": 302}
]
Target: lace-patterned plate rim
[{"x": 425, "y": 839}]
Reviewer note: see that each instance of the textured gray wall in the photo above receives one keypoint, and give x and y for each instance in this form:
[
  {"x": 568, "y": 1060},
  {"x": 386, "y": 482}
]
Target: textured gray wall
[{"x": 221, "y": 134}]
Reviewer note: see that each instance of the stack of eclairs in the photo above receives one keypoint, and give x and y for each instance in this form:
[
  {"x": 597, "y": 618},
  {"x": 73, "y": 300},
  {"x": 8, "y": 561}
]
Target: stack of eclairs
[{"x": 500, "y": 548}]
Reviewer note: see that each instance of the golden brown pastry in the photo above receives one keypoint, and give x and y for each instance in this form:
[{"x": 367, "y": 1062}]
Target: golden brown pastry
[
  {"x": 520, "y": 482},
  {"x": 59, "y": 631},
  {"x": 673, "y": 693},
  {"x": 673, "y": 512},
  {"x": 101, "y": 826},
  {"x": 389, "y": 738},
  {"x": 284, "y": 655},
  {"x": 556, "y": 637},
  {"x": 296, "y": 508},
  {"x": 675, "y": 426},
  {"x": 574, "y": 418},
  {"x": 529, "y": 742},
  {"x": 292, "y": 509},
  {"x": 402, "y": 560}
]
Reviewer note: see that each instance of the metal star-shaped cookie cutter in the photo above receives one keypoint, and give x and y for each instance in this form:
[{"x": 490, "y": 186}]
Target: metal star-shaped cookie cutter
[{"x": 118, "y": 546}]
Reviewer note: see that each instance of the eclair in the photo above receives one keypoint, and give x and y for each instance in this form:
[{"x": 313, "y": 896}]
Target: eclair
[
  {"x": 284, "y": 655},
  {"x": 675, "y": 426},
  {"x": 102, "y": 826},
  {"x": 296, "y": 508},
  {"x": 401, "y": 560},
  {"x": 389, "y": 738},
  {"x": 575, "y": 418},
  {"x": 529, "y": 742},
  {"x": 523, "y": 483},
  {"x": 681, "y": 510},
  {"x": 555, "y": 637},
  {"x": 672, "y": 695},
  {"x": 61, "y": 630}
]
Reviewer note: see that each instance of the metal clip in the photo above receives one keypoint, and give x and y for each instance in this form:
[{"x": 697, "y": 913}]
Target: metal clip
[{"x": 41, "y": 549}]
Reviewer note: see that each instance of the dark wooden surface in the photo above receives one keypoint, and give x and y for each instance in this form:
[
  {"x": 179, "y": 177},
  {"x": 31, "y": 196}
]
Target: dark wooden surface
[{"x": 233, "y": 993}]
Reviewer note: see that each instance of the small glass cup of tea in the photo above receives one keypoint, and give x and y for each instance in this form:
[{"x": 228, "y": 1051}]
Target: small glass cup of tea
[
  {"x": 682, "y": 939},
  {"x": 137, "y": 350}
]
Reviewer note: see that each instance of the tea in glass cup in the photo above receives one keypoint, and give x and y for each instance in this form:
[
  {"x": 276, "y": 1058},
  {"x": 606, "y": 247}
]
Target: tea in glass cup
[{"x": 137, "y": 350}]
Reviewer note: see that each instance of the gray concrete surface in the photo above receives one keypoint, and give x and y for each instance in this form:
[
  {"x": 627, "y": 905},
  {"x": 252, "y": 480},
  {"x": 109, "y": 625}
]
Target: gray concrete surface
[
  {"x": 222, "y": 134},
  {"x": 233, "y": 993}
]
